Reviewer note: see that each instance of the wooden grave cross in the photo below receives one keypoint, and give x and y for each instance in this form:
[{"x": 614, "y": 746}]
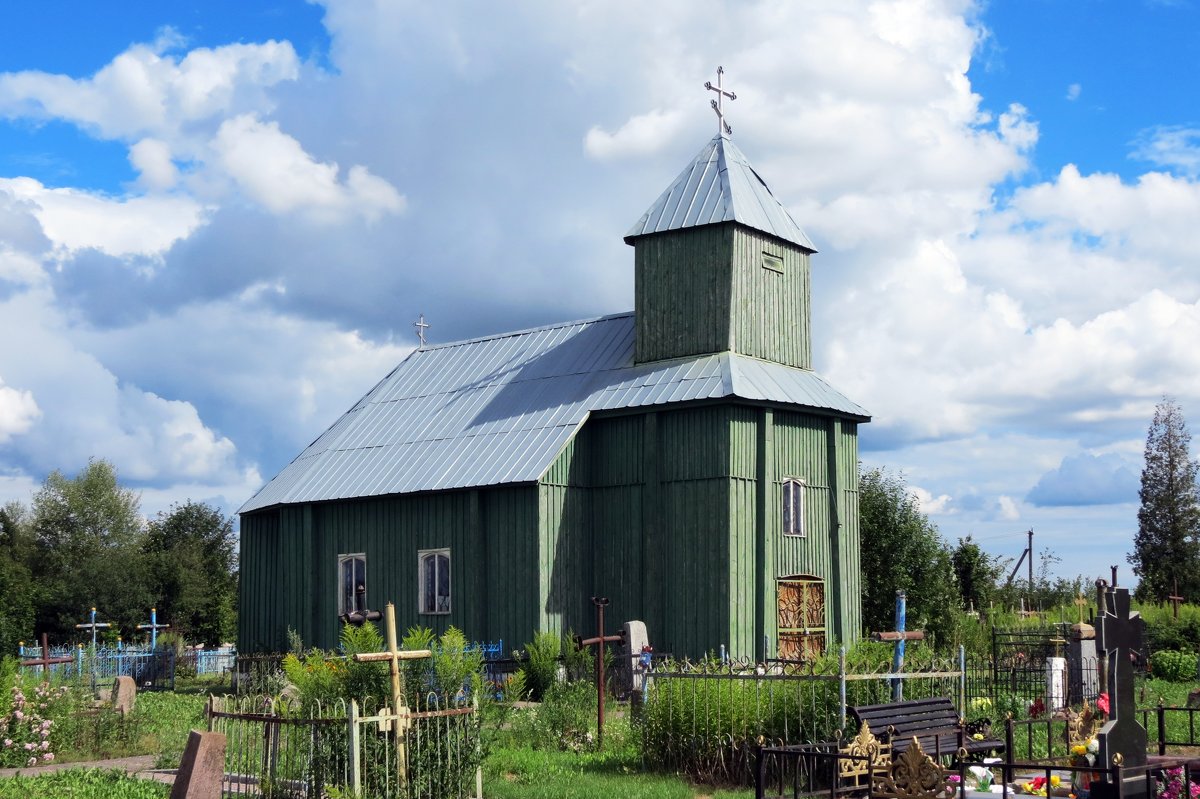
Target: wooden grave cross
[
  {"x": 393, "y": 656},
  {"x": 45, "y": 661},
  {"x": 599, "y": 641},
  {"x": 1117, "y": 636},
  {"x": 1175, "y": 600}
]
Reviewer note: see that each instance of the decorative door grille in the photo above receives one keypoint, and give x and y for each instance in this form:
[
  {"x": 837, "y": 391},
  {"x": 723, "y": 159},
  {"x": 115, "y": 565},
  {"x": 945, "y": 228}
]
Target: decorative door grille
[{"x": 801, "y": 617}]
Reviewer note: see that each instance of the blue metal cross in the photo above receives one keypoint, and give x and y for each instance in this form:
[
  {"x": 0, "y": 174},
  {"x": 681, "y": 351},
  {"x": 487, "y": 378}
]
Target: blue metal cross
[{"x": 153, "y": 627}]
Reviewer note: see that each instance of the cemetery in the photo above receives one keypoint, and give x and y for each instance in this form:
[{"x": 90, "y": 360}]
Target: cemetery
[{"x": 659, "y": 512}]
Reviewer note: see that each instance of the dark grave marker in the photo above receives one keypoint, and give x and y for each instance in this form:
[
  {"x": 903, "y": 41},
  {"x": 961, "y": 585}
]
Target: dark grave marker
[
  {"x": 1117, "y": 636},
  {"x": 45, "y": 661}
]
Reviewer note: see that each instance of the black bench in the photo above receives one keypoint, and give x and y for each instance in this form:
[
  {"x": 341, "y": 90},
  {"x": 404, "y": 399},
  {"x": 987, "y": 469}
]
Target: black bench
[{"x": 933, "y": 722}]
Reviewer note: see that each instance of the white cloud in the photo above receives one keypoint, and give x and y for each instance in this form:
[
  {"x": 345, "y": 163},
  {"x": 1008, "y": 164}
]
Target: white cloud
[
  {"x": 644, "y": 134},
  {"x": 1008, "y": 510},
  {"x": 147, "y": 92},
  {"x": 273, "y": 170},
  {"x": 1173, "y": 147},
  {"x": 152, "y": 159},
  {"x": 18, "y": 412},
  {"x": 1073, "y": 92},
  {"x": 74, "y": 220},
  {"x": 930, "y": 504}
]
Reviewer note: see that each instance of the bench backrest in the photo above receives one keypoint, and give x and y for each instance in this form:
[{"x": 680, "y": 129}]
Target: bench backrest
[{"x": 919, "y": 717}]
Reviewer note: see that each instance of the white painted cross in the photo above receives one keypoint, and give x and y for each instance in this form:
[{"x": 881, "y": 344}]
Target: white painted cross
[{"x": 722, "y": 125}]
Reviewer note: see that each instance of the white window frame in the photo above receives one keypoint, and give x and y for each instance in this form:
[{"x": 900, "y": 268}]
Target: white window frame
[
  {"x": 422, "y": 554},
  {"x": 342, "y": 600},
  {"x": 792, "y": 497}
]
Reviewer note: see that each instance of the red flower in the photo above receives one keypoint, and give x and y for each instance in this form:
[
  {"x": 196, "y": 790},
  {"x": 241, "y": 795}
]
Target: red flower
[
  {"x": 1102, "y": 703},
  {"x": 1037, "y": 708},
  {"x": 1038, "y": 783}
]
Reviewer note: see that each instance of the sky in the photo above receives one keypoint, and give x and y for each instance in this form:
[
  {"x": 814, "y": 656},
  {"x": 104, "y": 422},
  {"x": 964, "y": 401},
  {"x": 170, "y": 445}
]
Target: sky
[{"x": 219, "y": 220}]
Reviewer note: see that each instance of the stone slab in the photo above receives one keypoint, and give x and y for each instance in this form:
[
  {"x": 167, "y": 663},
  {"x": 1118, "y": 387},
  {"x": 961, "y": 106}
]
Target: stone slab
[
  {"x": 636, "y": 639},
  {"x": 203, "y": 767},
  {"x": 124, "y": 695}
]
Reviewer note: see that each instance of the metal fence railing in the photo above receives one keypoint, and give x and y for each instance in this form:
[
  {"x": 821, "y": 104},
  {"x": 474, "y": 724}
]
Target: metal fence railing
[{"x": 430, "y": 750}]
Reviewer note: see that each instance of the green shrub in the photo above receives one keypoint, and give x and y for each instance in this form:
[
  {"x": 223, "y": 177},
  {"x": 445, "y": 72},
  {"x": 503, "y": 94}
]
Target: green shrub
[
  {"x": 562, "y": 721},
  {"x": 1173, "y": 666},
  {"x": 541, "y": 670},
  {"x": 82, "y": 784}
]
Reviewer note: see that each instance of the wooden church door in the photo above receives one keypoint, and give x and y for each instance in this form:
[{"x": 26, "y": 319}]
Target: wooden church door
[{"x": 801, "y": 614}]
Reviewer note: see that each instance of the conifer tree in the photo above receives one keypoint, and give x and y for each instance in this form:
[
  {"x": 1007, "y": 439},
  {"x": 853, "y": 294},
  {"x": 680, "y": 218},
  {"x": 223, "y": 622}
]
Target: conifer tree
[{"x": 1166, "y": 547}]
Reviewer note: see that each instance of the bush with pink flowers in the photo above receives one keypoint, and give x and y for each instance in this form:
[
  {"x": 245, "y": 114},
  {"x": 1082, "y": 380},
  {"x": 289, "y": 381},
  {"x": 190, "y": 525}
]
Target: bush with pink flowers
[{"x": 26, "y": 727}]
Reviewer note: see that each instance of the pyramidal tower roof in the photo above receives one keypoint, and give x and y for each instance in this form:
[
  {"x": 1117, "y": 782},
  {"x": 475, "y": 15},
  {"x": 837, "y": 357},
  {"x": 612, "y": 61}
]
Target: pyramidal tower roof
[{"x": 719, "y": 185}]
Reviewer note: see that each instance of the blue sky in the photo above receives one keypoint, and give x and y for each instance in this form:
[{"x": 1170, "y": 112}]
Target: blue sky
[{"x": 218, "y": 220}]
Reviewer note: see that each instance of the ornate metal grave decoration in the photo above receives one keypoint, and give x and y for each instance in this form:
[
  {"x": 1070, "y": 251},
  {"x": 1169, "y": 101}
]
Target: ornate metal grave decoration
[
  {"x": 913, "y": 775},
  {"x": 1117, "y": 636},
  {"x": 865, "y": 756}
]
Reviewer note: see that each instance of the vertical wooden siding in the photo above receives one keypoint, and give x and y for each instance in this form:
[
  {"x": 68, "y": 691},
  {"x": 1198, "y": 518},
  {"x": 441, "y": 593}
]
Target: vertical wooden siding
[
  {"x": 770, "y": 317},
  {"x": 682, "y": 292},
  {"x": 289, "y": 563}
]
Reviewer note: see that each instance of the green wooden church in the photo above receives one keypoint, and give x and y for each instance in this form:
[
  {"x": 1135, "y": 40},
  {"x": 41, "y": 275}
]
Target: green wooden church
[{"x": 683, "y": 460}]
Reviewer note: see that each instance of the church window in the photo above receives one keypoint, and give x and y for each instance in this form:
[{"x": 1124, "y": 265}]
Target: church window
[
  {"x": 793, "y": 507},
  {"x": 772, "y": 262},
  {"x": 352, "y": 583},
  {"x": 434, "y": 578}
]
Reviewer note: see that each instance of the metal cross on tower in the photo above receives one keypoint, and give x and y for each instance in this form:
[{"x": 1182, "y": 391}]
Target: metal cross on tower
[
  {"x": 722, "y": 125},
  {"x": 421, "y": 326},
  {"x": 153, "y": 627}
]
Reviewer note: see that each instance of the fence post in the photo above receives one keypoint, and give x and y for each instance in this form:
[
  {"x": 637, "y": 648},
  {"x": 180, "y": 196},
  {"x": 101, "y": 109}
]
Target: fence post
[
  {"x": 208, "y": 712},
  {"x": 352, "y": 737},
  {"x": 1162, "y": 728},
  {"x": 842, "y": 683},
  {"x": 962, "y": 680},
  {"x": 475, "y": 722}
]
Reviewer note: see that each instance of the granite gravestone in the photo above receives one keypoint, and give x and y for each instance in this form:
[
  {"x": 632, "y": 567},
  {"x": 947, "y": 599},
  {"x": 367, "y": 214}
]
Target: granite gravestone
[{"x": 1118, "y": 634}]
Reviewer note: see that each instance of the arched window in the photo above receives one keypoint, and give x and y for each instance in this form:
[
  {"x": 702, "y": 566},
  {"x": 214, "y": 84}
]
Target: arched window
[
  {"x": 352, "y": 583},
  {"x": 793, "y": 507},
  {"x": 434, "y": 577}
]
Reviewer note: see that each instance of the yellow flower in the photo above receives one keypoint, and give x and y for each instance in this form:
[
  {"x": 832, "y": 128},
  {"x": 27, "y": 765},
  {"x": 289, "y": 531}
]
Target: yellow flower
[
  {"x": 1055, "y": 780},
  {"x": 1079, "y": 749},
  {"x": 978, "y": 736}
]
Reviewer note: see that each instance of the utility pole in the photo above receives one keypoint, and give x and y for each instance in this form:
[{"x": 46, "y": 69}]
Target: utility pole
[{"x": 1031, "y": 567}]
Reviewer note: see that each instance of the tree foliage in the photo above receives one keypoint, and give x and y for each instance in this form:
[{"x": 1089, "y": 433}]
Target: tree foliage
[
  {"x": 192, "y": 558},
  {"x": 1165, "y": 548},
  {"x": 87, "y": 534},
  {"x": 976, "y": 572},
  {"x": 83, "y": 543},
  {"x": 902, "y": 550}
]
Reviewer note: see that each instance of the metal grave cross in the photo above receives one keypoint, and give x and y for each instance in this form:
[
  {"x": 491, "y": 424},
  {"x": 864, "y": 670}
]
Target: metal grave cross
[
  {"x": 393, "y": 656},
  {"x": 45, "y": 661},
  {"x": 599, "y": 641},
  {"x": 1117, "y": 636},
  {"x": 92, "y": 625},
  {"x": 1081, "y": 603},
  {"x": 897, "y": 638},
  {"x": 722, "y": 125},
  {"x": 421, "y": 326},
  {"x": 153, "y": 627}
]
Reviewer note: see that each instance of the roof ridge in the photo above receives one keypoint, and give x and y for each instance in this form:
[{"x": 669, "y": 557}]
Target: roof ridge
[{"x": 523, "y": 332}]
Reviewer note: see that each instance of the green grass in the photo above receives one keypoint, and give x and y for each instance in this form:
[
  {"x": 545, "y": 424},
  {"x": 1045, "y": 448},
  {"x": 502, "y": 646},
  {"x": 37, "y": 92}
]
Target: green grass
[
  {"x": 159, "y": 726},
  {"x": 529, "y": 774},
  {"x": 82, "y": 784}
]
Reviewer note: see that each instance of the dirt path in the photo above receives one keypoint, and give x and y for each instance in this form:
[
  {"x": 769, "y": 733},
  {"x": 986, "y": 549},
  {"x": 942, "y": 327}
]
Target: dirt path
[{"x": 141, "y": 766}]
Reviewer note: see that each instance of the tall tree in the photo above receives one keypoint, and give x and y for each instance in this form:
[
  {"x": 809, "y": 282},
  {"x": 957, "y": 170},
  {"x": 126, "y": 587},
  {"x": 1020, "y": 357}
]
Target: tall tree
[
  {"x": 1165, "y": 549},
  {"x": 193, "y": 560},
  {"x": 976, "y": 573},
  {"x": 16, "y": 586},
  {"x": 901, "y": 549},
  {"x": 87, "y": 550}
]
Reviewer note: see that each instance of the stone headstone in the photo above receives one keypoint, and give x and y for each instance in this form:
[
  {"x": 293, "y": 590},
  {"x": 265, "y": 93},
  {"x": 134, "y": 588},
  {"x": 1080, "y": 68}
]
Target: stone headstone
[
  {"x": 1118, "y": 632},
  {"x": 1083, "y": 668},
  {"x": 203, "y": 767},
  {"x": 631, "y": 656},
  {"x": 124, "y": 695},
  {"x": 1056, "y": 683}
]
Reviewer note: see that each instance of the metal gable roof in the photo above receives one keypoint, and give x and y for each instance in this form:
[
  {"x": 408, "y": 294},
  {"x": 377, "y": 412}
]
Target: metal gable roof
[
  {"x": 719, "y": 185},
  {"x": 499, "y": 409}
]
